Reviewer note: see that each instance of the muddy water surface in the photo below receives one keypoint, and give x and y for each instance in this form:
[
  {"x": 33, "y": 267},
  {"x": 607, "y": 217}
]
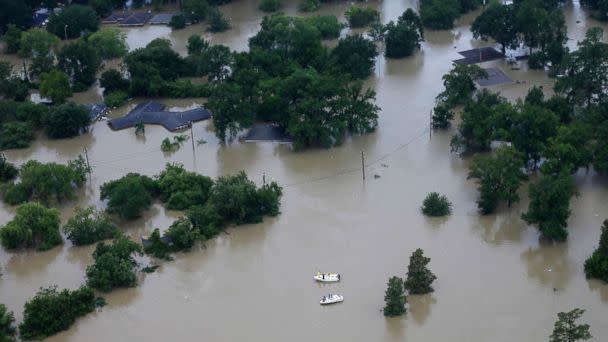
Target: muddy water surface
[{"x": 496, "y": 281}]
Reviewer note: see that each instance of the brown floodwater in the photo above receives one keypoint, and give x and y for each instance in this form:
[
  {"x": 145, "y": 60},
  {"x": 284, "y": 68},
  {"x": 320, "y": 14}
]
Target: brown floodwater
[{"x": 496, "y": 280}]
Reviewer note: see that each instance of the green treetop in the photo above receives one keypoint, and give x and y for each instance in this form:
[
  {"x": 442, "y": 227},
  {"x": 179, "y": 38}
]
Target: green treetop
[
  {"x": 419, "y": 278},
  {"x": 567, "y": 330},
  {"x": 394, "y": 297}
]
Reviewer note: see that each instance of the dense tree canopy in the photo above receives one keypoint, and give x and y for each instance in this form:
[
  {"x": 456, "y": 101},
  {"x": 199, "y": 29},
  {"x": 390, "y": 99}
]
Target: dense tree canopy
[
  {"x": 46, "y": 182},
  {"x": 180, "y": 189},
  {"x": 459, "y": 84},
  {"x": 17, "y": 13},
  {"x": 361, "y": 16},
  {"x": 66, "y": 121},
  {"x": 498, "y": 178},
  {"x": 52, "y": 311},
  {"x": 80, "y": 61},
  {"x": 8, "y": 171},
  {"x": 498, "y": 22},
  {"x": 549, "y": 206},
  {"x": 88, "y": 226},
  {"x": 114, "y": 265},
  {"x": 15, "y": 135},
  {"x": 55, "y": 85},
  {"x": 403, "y": 37},
  {"x": 129, "y": 196},
  {"x": 355, "y": 55},
  {"x": 109, "y": 43},
  {"x": 73, "y": 21},
  {"x": 585, "y": 80},
  {"x": 33, "y": 226}
]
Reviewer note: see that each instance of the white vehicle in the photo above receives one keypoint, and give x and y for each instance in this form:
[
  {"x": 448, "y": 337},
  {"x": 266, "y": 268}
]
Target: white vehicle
[
  {"x": 327, "y": 277},
  {"x": 331, "y": 299}
]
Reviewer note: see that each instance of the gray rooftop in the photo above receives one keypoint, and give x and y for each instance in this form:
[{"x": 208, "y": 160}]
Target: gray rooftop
[{"x": 153, "y": 113}]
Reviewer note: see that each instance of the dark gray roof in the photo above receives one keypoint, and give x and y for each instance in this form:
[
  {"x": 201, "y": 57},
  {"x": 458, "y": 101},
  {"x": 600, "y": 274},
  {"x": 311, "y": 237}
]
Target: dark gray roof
[
  {"x": 152, "y": 113},
  {"x": 479, "y": 55},
  {"x": 136, "y": 19},
  {"x": 115, "y": 17},
  {"x": 495, "y": 77},
  {"x": 266, "y": 132},
  {"x": 161, "y": 18}
]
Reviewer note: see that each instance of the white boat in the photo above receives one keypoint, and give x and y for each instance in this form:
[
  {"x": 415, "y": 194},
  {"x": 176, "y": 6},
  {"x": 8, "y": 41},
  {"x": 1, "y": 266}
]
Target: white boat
[
  {"x": 331, "y": 299},
  {"x": 327, "y": 277}
]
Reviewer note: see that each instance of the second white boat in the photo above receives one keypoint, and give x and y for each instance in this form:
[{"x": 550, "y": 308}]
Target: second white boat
[{"x": 331, "y": 299}]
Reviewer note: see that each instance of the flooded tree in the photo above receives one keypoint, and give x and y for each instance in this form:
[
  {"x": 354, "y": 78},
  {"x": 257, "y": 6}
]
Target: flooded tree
[
  {"x": 419, "y": 278},
  {"x": 217, "y": 21},
  {"x": 394, "y": 297},
  {"x": 586, "y": 71},
  {"x": 88, "y": 226},
  {"x": 361, "y": 16},
  {"x": 601, "y": 150},
  {"x": 567, "y": 330},
  {"x": 355, "y": 55},
  {"x": 436, "y": 205},
  {"x": 80, "y": 61},
  {"x": 549, "y": 206},
  {"x": 34, "y": 226},
  {"x": 532, "y": 126},
  {"x": 442, "y": 117},
  {"x": 72, "y": 21},
  {"x": 114, "y": 265},
  {"x": 46, "y": 182},
  {"x": 480, "y": 121},
  {"x": 459, "y": 84},
  {"x": 52, "y": 311},
  {"x": 569, "y": 150},
  {"x": 403, "y": 37},
  {"x": 55, "y": 85},
  {"x": 7, "y": 325},
  {"x": 15, "y": 135},
  {"x": 112, "y": 80},
  {"x": 109, "y": 42},
  {"x": 38, "y": 44},
  {"x": 596, "y": 266},
  {"x": 498, "y": 176},
  {"x": 270, "y": 5},
  {"x": 497, "y": 22},
  {"x": 8, "y": 171},
  {"x": 180, "y": 189},
  {"x": 129, "y": 196}
]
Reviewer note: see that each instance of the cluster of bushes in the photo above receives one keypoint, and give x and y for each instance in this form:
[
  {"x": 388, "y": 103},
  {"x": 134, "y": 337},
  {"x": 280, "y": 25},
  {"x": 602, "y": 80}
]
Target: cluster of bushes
[
  {"x": 52, "y": 311},
  {"x": 270, "y": 5},
  {"x": 436, "y": 205},
  {"x": 88, "y": 226},
  {"x": 537, "y": 24},
  {"x": 210, "y": 206},
  {"x": 34, "y": 226},
  {"x": 114, "y": 265},
  {"x": 401, "y": 38},
  {"x": 596, "y": 266},
  {"x": 45, "y": 182}
]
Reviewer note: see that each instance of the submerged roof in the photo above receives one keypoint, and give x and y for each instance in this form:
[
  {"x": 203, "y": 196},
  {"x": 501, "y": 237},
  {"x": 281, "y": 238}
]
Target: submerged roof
[
  {"x": 479, "y": 55},
  {"x": 266, "y": 132},
  {"x": 153, "y": 113}
]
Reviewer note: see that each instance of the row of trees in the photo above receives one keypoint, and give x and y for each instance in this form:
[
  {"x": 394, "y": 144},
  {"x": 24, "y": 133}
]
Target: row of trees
[
  {"x": 535, "y": 23},
  {"x": 417, "y": 281}
]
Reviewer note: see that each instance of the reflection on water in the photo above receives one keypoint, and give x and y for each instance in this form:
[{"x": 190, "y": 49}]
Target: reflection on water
[{"x": 493, "y": 284}]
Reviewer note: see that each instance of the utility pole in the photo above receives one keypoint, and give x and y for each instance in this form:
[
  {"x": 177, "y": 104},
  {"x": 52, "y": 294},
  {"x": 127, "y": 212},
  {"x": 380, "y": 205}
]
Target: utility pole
[
  {"x": 86, "y": 154},
  {"x": 363, "y": 164}
]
